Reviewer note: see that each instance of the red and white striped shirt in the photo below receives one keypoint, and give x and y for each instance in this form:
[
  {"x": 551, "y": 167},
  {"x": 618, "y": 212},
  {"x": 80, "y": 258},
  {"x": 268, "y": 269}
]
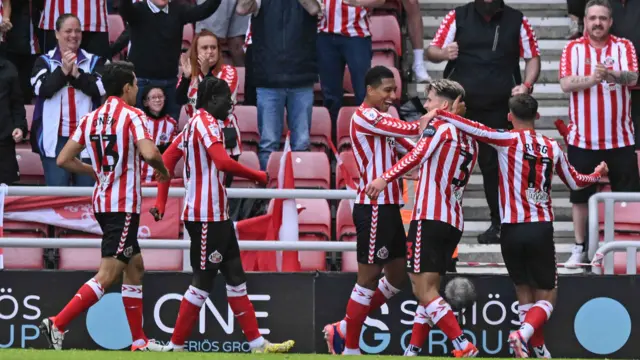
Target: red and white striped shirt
[
  {"x": 92, "y": 14},
  {"x": 526, "y": 163},
  {"x": 372, "y": 138},
  {"x": 342, "y": 19},
  {"x": 229, "y": 74},
  {"x": 162, "y": 131},
  {"x": 110, "y": 134},
  {"x": 446, "y": 34},
  {"x": 446, "y": 157},
  {"x": 600, "y": 117},
  {"x": 205, "y": 197},
  {"x": 247, "y": 38}
]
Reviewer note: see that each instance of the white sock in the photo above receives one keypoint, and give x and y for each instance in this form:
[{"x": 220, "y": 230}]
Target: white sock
[
  {"x": 256, "y": 343},
  {"x": 175, "y": 346},
  {"x": 343, "y": 327},
  {"x": 351, "y": 352},
  {"x": 526, "y": 330},
  {"x": 418, "y": 56},
  {"x": 139, "y": 342}
]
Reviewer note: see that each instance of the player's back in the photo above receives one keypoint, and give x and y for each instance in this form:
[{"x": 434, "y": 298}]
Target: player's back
[
  {"x": 206, "y": 196},
  {"x": 444, "y": 174},
  {"x": 110, "y": 134}
]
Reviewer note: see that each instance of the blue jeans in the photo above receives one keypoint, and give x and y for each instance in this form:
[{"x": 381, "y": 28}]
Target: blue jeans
[
  {"x": 57, "y": 176},
  {"x": 169, "y": 87},
  {"x": 334, "y": 51},
  {"x": 271, "y": 105}
]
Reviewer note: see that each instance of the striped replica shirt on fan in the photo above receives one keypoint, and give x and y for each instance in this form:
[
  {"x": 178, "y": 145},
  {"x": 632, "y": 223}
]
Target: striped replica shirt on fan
[
  {"x": 346, "y": 20},
  {"x": 247, "y": 38},
  {"x": 372, "y": 138},
  {"x": 446, "y": 34},
  {"x": 92, "y": 14},
  {"x": 446, "y": 157},
  {"x": 162, "y": 131},
  {"x": 600, "y": 116},
  {"x": 110, "y": 134},
  {"x": 526, "y": 163},
  {"x": 205, "y": 196}
]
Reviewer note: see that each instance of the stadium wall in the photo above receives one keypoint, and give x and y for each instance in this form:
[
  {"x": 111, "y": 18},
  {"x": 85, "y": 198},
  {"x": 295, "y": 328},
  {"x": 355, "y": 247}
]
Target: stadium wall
[{"x": 594, "y": 317}]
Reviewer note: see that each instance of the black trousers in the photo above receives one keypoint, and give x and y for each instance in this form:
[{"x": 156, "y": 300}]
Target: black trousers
[
  {"x": 24, "y": 64},
  {"x": 250, "y": 97},
  {"x": 635, "y": 115},
  {"x": 488, "y": 157},
  {"x": 576, "y": 7},
  {"x": 96, "y": 43}
]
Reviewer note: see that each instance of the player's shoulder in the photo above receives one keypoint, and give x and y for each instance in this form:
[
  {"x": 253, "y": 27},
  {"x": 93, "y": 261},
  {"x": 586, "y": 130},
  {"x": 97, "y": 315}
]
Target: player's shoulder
[
  {"x": 368, "y": 113},
  {"x": 438, "y": 126},
  {"x": 209, "y": 121},
  {"x": 581, "y": 41}
]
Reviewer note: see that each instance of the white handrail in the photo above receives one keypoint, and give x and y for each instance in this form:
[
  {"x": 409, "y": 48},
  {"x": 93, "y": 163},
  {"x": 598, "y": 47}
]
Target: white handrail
[
  {"x": 609, "y": 199},
  {"x": 179, "y": 192},
  {"x": 631, "y": 248}
]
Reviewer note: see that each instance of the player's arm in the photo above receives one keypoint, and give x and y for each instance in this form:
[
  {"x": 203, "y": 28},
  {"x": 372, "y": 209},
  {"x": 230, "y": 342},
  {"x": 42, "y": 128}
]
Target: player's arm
[
  {"x": 406, "y": 144},
  {"x": 148, "y": 149},
  {"x": 443, "y": 46},
  {"x": 68, "y": 157},
  {"x": 372, "y": 122},
  {"x": 476, "y": 130},
  {"x": 572, "y": 178},
  {"x": 170, "y": 158}
]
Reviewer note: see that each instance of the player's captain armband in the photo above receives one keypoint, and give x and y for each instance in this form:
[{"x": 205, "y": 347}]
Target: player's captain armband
[
  {"x": 372, "y": 115},
  {"x": 429, "y": 131}
]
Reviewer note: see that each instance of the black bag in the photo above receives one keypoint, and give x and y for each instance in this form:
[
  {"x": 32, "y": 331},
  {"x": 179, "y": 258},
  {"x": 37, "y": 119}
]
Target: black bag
[{"x": 230, "y": 137}]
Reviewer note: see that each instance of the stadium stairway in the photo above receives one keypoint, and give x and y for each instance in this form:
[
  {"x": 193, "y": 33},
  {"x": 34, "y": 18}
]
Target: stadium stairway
[{"x": 550, "y": 22}]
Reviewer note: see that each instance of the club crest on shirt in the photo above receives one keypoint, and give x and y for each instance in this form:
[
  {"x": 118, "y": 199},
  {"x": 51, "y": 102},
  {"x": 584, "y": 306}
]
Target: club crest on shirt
[
  {"x": 372, "y": 115},
  {"x": 163, "y": 137},
  {"x": 609, "y": 61},
  {"x": 429, "y": 131}
]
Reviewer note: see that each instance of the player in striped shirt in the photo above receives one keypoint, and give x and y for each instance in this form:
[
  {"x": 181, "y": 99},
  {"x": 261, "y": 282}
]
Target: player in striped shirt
[
  {"x": 445, "y": 157},
  {"x": 380, "y": 232},
  {"x": 214, "y": 246},
  {"x": 115, "y": 137},
  {"x": 527, "y": 160}
]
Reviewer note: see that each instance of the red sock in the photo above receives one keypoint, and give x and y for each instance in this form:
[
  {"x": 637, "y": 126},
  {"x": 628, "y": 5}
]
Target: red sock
[
  {"x": 132, "y": 299},
  {"x": 536, "y": 317},
  {"x": 87, "y": 295},
  {"x": 190, "y": 306},
  {"x": 421, "y": 328},
  {"x": 538, "y": 338},
  {"x": 243, "y": 310},
  {"x": 383, "y": 293},
  {"x": 357, "y": 310},
  {"x": 377, "y": 300},
  {"x": 441, "y": 314}
]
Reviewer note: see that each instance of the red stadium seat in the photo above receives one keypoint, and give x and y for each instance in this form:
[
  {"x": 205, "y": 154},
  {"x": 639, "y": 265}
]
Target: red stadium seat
[
  {"x": 24, "y": 258},
  {"x": 250, "y": 160},
  {"x": 349, "y": 258},
  {"x": 385, "y": 59},
  {"x": 385, "y": 34},
  {"x": 343, "y": 124},
  {"x": 350, "y": 162},
  {"x": 248, "y": 124},
  {"x": 344, "y": 221},
  {"x": 312, "y": 260},
  {"x": 30, "y": 165},
  {"x": 626, "y": 217},
  {"x": 241, "y": 75},
  {"x": 310, "y": 169},
  {"x": 116, "y": 27},
  {"x": 320, "y": 132},
  {"x": 346, "y": 83}
]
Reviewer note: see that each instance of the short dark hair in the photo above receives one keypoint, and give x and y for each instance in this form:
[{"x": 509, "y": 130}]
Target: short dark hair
[
  {"x": 446, "y": 88},
  {"x": 62, "y": 18},
  {"x": 376, "y": 74},
  {"x": 209, "y": 88},
  {"x": 116, "y": 75},
  {"x": 524, "y": 107},
  {"x": 604, "y": 3}
]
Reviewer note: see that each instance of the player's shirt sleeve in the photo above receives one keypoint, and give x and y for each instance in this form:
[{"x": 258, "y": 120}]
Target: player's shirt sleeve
[
  {"x": 208, "y": 130},
  {"x": 174, "y": 131},
  {"x": 372, "y": 122},
  {"x": 431, "y": 138},
  {"x": 569, "y": 175},
  {"x": 528, "y": 42},
  {"x": 78, "y": 134},
  {"x": 480, "y": 132},
  {"x": 628, "y": 56},
  {"x": 446, "y": 33},
  {"x": 569, "y": 60},
  {"x": 138, "y": 127}
]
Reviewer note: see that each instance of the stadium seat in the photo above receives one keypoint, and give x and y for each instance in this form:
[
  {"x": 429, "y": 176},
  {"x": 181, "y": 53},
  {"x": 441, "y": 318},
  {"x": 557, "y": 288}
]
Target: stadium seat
[
  {"x": 349, "y": 258},
  {"x": 626, "y": 217},
  {"x": 250, "y": 160},
  {"x": 30, "y": 165},
  {"x": 312, "y": 260},
  {"x": 116, "y": 27},
  {"x": 248, "y": 124},
  {"x": 344, "y": 221},
  {"x": 620, "y": 263},
  {"x": 385, "y": 59},
  {"x": 350, "y": 162},
  {"x": 241, "y": 75},
  {"x": 24, "y": 258},
  {"x": 310, "y": 169},
  {"x": 385, "y": 34}
]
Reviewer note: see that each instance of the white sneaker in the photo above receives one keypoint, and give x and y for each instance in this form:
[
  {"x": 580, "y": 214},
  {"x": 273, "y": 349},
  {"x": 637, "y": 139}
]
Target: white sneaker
[
  {"x": 542, "y": 352},
  {"x": 420, "y": 73},
  {"x": 150, "y": 345},
  {"x": 577, "y": 257},
  {"x": 52, "y": 334},
  {"x": 412, "y": 351},
  {"x": 171, "y": 347}
]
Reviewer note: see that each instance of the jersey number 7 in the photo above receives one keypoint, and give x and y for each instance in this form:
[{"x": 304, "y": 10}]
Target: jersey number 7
[{"x": 105, "y": 146}]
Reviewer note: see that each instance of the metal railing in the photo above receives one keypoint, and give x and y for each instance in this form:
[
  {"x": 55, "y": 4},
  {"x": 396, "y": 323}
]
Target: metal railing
[{"x": 631, "y": 248}]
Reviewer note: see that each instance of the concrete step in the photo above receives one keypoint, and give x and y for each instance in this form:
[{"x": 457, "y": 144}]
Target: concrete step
[
  {"x": 549, "y": 49},
  {"x": 478, "y": 209},
  {"x": 549, "y": 91},
  {"x": 492, "y": 253},
  {"x": 549, "y": 28},
  {"x": 548, "y": 70}
]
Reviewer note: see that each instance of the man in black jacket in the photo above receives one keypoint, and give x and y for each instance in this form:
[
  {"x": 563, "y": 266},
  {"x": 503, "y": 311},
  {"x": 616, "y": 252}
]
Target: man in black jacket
[
  {"x": 483, "y": 42},
  {"x": 13, "y": 121}
]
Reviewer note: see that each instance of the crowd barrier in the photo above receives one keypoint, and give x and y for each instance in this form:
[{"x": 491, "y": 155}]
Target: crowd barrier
[{"x": 594, "y": 316}]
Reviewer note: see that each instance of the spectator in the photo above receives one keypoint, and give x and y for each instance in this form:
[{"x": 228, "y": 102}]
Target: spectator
[
  {"x": 284, "y": 70},
  {"x": 468, "y": 39},
  {"x": 229, "y": 26},
  {"x": 162, "y": 128},
  {"x": 93, "y": 24},
  {"x": 22, "y": 43},
  {"x": 5, "y": 22},
  {"x": 344, "y": 37},
  {"x": 416, "y": 35},
  {"x": 65, "y": 81},
  {"x": 626, "y": 17},
  {"x": 598, "y": 69},
  {"x": 13, "y": 122},
  {"x": 205, "y": 59},
  {"x": 155, "y": 29},
  {"x": 575, "y": 8}
]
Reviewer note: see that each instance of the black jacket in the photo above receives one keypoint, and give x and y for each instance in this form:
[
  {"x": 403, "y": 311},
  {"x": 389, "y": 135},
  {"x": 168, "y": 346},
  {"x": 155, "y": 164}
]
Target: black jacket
[
  {"x": 19, "y": 39},
  {"x": 12, "y": 113},
  {"x": 626, "y": 20},
  {"x": 284, "y": 45}
]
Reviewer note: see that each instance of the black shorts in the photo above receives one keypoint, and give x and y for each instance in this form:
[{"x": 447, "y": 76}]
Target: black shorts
[
  {"x": 430, "y": 246},
  {"x": 212, "y": 243},
  {"x": 380, "y": 233},
  {"x": 623, "y": 169},
  {"x": 119, "y": 235},
  {"x": 530, "y": 254}
]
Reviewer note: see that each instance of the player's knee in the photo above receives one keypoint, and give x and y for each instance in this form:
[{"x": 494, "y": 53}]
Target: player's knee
[
  {"x": 203, "y": 279},
  {"x": 109, "y": 272}
]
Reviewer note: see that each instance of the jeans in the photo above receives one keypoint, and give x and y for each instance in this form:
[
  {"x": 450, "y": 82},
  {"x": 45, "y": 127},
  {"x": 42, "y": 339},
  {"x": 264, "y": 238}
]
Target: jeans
[
  {"x": 169, "y": 87},
  {"x": 271, "y": 105},
  {"x": 334, "y": 51},
  {"x": 57, "y": 176}
]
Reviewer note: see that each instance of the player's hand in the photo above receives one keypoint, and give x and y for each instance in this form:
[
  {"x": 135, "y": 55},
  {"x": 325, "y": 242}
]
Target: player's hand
[
  {"x": 519, "y": 89},
  {"x": 459, "y": 107},
  {"x": 599, "y": 73},
  {"x": 424, "y": 120},
  {"x": 5, "y": 25},
  {"x": 17, "y": 135},
  {"x": 373, "y": 190},
  {"x": 602, "y": 169},
  {"x": 157, "y": 215},
  {"x": 452, "y": 51}
]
